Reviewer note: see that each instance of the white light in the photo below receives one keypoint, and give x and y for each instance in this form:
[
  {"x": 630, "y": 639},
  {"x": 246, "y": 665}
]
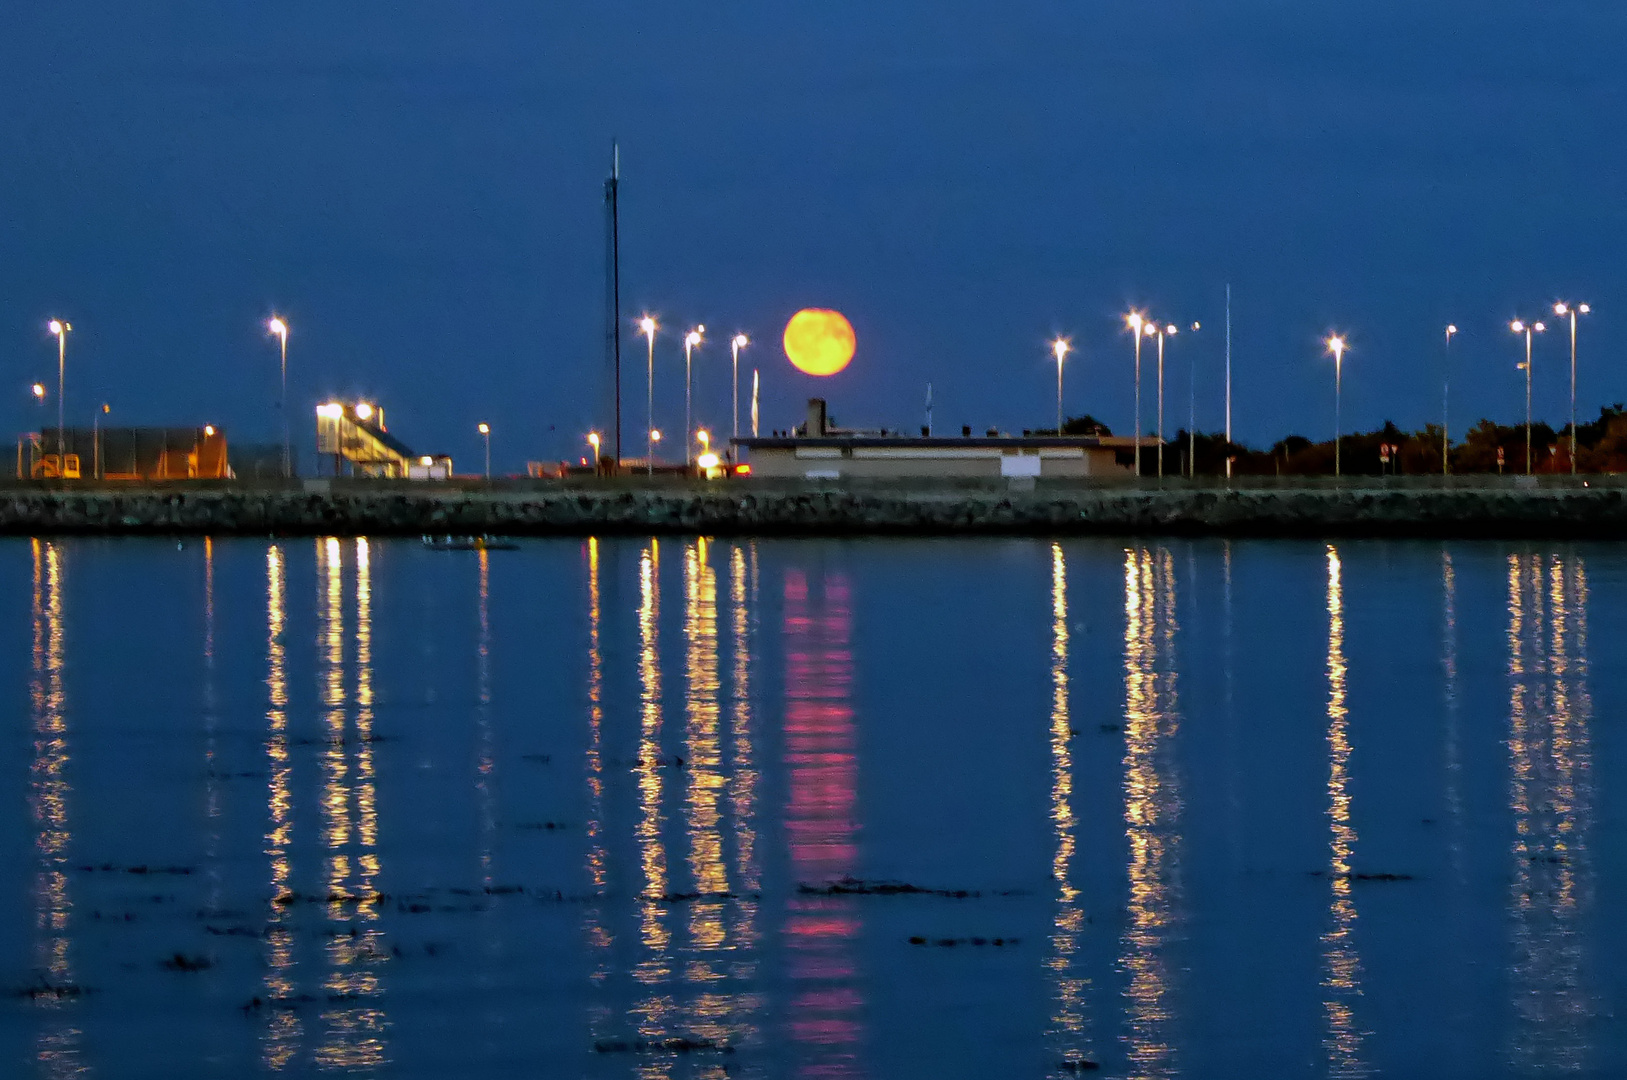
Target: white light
[
  {"x": 707, "y": 460},
  {"x": 484, "y": 429},
  {"x": 332, "y": 410},
  {"x": 364, "y": 411}
]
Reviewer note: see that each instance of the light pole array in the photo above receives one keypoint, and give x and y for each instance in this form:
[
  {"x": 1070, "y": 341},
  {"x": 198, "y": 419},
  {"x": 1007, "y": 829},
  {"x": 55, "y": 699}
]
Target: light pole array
[
  {"x": 1519, "y": 326},
  {"x": 61, "y": 329},
  {"x": 1059, "y": 348},
  {"x": 278, "y": 327},
  {"x": 691, "y": 339},
  {"x": 647, "y": 327},
  {"x": 1563, "y": 309},
  {"x": 1337, "y": 345}
]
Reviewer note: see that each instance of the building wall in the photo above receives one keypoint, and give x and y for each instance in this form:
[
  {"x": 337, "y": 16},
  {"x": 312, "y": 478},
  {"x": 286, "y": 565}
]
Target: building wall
[{"x": 930, "y": 462}]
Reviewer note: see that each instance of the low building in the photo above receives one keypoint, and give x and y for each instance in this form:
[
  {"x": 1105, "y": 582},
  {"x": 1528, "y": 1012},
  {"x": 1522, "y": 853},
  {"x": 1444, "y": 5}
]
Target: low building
[{"x": 818, "y": 451}]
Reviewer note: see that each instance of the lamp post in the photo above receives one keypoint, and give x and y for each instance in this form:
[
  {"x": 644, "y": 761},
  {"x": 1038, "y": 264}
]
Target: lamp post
[
  {"x": 1446, "y": 400},
  {"x": 278, "y": 327},
  {"x": 647, "y": 327},
  {"x": 96, "y": 439},
  {"x": 593, "y": 441},
  {"x": 1138, "y": 325},
  {"x": 691, "y": 339},
  {"x": 1192, "y": 412},
  {"x": 1169, "y": 330},
  {"x": 740, "y": 342},
  {"x": 1336, "y": 345},
  {"x": 61, "y": 329},
  {"x": 1521, "y": 327},
  {"x": 1572, "y": 310},
  {"x": 1059, "y": 348},
  {"x": 485, "y": 433}
]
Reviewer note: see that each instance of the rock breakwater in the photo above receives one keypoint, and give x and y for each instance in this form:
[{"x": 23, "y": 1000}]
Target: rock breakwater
[{"x": 754, "y": 507}]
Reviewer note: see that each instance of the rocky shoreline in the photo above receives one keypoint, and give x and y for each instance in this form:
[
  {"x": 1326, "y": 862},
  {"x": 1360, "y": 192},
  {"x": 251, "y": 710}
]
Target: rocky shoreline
[{"x": 1501, "y": 508}]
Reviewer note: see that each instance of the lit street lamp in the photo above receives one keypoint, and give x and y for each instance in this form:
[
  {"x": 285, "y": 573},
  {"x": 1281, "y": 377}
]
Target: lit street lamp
[
  {"x": 1059, "y": 348},
  {"x": 691, "y": 339},
  {"x": 1138, "y": 325},
  {"x": 61, "y": 329},
  {"x": 1520, "y": 327},
  {"x": 1446, "y": 400},
  {"x": 593, "y": 441},
  {"x": 740, "y": 342},
  {"x": 1336, "y": 345},
  {"x": 278, "y": 327},
  {"x": 1162, "y": 331},
  {"x": 647, "y": 326},
  {"x": 1572, "y": 310},
  {"x": 1192, "y": 412},
  {"x": 485, "y": 431}
]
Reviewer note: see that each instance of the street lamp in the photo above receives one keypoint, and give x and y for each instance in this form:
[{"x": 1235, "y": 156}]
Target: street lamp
[
  {"x": 485, "y": 431},
  {"x": 740, "y": 342},
  {"x": 278, "y": 327},
  {"x": 647, "y": 327},
  {"x": 96, "y": 438},
  {"x": 61, "y": 329},
  {"x": 1059, "y": 348},
  {"x": 593, "y": 441},
  {"x": 1162, "y": 331},
  {"x": 1521, "y": 327},
  {"x": 1192, "y": 412},
  {"x": 1572, "y": 310},
  {"x": 1446, "y": 399},
  {"x": 1137, "y": 322},
  {"x": 691, "y": 339},
  {"x": 1336, "y": 345}
]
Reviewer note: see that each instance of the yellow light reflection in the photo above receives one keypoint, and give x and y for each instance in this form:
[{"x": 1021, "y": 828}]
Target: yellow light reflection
[
  {"x": 1551, "y": 888},
  {"x": 354, "y": 1037},
  {"x": 1454, "y": 753},
  {"x": 1152, "y": 807},
  {"x": 743, "y": 784},
  {"x": 598, "y": 936},
  {"x": 1069, "y": 985},
  {"x": 653, "y": 1012},
  {"x": 486, "y": 765},
  {"x": 282, "y": 1031},
  {"x": 1341, "y": 963},
  {"x": 57, "y": 1043}
]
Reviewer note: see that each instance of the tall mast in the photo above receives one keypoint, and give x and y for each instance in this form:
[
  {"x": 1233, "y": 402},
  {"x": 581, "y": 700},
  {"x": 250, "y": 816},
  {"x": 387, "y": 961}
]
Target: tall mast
[
  {"x": 613, "y": 285},
  {"x": 1228, "y": 381}
]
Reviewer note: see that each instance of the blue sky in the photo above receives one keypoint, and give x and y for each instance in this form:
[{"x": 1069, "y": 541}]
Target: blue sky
[{"x": 417, "y": 187}]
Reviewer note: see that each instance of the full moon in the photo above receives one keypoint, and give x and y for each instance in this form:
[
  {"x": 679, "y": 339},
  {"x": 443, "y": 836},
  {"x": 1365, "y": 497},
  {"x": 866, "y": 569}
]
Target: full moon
[{"x": 818, "y": 341}]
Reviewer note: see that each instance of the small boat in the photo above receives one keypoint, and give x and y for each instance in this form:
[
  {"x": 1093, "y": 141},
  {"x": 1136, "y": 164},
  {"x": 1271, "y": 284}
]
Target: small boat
[{"x": 468, "y": 543}]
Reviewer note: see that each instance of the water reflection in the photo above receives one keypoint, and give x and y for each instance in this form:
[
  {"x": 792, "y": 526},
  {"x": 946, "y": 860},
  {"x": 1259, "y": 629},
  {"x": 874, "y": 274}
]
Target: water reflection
[
  {"x": 743, "y": 783},
  {"x": 282, "y": 1030},
  {"x": 1341, "y": 963},
  {"x": 57, "y": 1045},
  {"x": 1152, "y": 808},
  {"x": 598, "y": 935},
  {"x": 1069, "y": 1035},
  {"x": 354, "y": 1024},
  {"x": 820, "y": 756},
  {"x": 653, "y": 1012},
  {"x": 1550, "y": 794}
]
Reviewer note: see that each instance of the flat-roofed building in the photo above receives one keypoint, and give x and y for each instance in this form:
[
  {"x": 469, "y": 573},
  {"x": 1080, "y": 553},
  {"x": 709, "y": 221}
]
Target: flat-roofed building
[{"x": 817, "y": 451}]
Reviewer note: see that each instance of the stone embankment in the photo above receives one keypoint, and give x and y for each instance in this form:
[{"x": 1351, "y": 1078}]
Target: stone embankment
[{"x": 1468, "y": 507}]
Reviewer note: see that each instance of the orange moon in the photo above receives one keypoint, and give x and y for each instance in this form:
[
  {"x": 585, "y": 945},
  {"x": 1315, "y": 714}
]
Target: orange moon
[{"x": 819, "y": 341}]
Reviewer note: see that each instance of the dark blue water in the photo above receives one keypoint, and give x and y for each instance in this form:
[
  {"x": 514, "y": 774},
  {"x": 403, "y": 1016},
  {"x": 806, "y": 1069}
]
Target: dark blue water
[{"x": 819, "y": 809}]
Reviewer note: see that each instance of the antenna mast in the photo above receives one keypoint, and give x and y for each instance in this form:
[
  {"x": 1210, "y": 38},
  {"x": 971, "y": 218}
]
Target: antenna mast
[{"x": 613, "y": 284}]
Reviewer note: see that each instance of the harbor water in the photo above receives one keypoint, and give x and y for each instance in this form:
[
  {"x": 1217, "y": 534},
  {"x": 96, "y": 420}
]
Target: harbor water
[{"x": 812, "y": 808}]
